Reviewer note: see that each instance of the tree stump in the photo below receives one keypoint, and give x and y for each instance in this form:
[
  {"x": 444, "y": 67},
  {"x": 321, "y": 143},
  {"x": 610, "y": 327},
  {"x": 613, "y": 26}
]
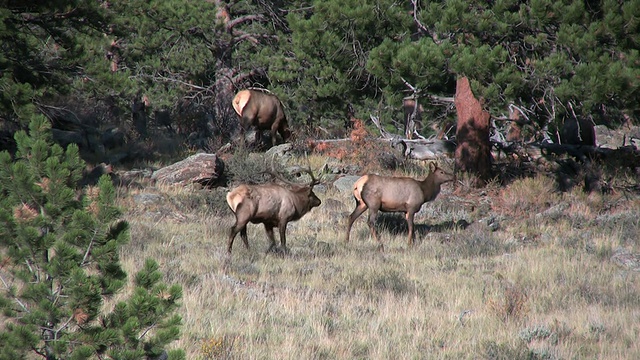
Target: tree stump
[{"x": 473, "y": 153}]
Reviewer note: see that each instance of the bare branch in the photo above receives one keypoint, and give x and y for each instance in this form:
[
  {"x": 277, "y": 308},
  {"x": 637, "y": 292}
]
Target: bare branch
[
  {"x": 243, "y": 19},
  {"x": 248, "y": 37},
  {"x": 413, "y": 89},
  {"x": 146, "y": 331},
  {"x": 423, "y": 28},
  {"x": 86, "y": 253},
  {"x": 385, "y": 134}
]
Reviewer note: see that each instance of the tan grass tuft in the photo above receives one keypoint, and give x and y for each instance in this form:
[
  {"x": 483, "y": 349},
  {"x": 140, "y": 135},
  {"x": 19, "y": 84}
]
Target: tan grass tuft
[
  {"x": 528, "y": 196},
  {"x": 44, "y": 184},
  {"x": 80, "y": 316},
  {"x": 24, "y": 213},
  {"x": 215, "y": 348},
  {"x": 512, "y": 304}
]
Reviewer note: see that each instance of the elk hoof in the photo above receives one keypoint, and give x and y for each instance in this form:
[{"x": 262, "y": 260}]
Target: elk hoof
[{"x": 226, "y": 264}]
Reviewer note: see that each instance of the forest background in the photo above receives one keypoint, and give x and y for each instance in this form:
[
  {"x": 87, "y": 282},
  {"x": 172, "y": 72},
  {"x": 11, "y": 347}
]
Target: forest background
[{"x": 101, "y": 63}]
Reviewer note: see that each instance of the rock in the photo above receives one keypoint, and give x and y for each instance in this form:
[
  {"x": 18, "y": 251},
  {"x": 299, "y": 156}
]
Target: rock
[
  {"x": 333, "y": 204},
  {"x": 147, "y": 198},
  {"x": 345, "y": 183},
  {"x": 205, "y": 169},
  {"x": 626, "y": 259},
  {"x": 278, "y": 150},
  {"x": 492, "y": 223},
  {"x": 613, "y": 139},
  {"x": 554, "y": 212}
]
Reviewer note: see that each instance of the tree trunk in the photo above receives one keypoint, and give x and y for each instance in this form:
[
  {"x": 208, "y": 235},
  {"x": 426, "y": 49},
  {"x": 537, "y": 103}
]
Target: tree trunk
[{"x": 473, "y": 153}]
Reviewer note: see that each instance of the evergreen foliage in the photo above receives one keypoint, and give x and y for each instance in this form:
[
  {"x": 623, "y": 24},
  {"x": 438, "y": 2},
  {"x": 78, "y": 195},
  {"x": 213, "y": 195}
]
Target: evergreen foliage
[
  {"x": 551, "y": 58},
  {"x": 59, "y": 263},
  {"x": 42, "y": 43},
  {"x": 543, "y": 55}
]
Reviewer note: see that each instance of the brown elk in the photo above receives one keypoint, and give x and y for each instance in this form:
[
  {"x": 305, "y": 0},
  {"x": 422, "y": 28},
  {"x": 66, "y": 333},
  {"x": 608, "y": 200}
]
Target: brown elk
[
  {"x": 263, "y": 111},
  {"x": 272, "y": 205},
  {"x": 393, "y": 194}
]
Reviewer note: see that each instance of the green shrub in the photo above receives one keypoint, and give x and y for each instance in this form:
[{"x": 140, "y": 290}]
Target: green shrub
[{"x": 59, "y": 246}]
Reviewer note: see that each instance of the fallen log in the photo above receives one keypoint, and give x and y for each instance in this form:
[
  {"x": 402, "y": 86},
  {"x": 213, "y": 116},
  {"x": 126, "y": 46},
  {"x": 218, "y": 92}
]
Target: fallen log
[
  {"x": 426, "y": 149},
  {"x": 417, "y": 149},
  {"x": 628, "y": 156}
]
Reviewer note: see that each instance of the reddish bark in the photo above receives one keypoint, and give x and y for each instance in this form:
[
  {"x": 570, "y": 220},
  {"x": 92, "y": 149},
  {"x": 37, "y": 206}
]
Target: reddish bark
[
  {"x": 473, "y": 153},
  {"x": 514, "y": 132}
]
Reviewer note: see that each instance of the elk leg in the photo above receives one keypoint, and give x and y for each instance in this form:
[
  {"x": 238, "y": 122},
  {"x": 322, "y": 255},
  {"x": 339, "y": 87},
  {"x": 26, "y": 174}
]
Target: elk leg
[
  {"x": 282, "y": 228},
  {"x": 284, "y": 131},
  {"x": 373, "y": 214},
  {"x": 243, "y": 235},
  {"x": 241, "y": 227},
  {"x": 234, "y": 231},
  {"x": 272, "y": 240},
  {"x": 360, "y": 208},
  {"x": 246, "y": 125},
  {"x": 232, "y": 235},
  {"x": 274, "y": 129},
  {"x": 409, "y": 216}
]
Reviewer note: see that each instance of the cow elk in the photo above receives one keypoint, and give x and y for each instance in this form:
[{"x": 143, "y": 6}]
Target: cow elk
[
  {"x": 262, "y": 111},
  {"x": 395, "y": 194},
  {"x": 272, "y": 205}
]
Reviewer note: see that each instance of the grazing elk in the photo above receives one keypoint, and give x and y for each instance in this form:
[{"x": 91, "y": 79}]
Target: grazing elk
[
  {"x": 263, "y": 111},
  {"x": 390, "y": 194},
  {"x": 272, "y": 205}
]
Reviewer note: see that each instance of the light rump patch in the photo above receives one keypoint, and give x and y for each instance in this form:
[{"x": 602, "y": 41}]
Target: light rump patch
[
  {"x": 262, "y": 111},
  {"x": 395, "y": 194}
]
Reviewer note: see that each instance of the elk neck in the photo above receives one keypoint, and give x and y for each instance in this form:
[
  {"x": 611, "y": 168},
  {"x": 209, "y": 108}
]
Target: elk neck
[{"x": 430, "y": 187}]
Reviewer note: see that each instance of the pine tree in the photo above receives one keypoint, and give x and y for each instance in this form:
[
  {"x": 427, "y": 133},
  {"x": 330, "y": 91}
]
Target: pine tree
[
  {"x": 59, "y": 262},
  {"x": 41, "y": 44}
]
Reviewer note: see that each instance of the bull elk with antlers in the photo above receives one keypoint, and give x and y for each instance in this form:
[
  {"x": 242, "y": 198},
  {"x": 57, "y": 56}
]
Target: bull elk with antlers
[
  {"x": 272, "y": 205},
  {"x": 395, "y": 194}
]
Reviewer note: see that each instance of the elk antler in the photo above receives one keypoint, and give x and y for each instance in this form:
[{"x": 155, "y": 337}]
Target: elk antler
[{"x": 298, "y": 169}]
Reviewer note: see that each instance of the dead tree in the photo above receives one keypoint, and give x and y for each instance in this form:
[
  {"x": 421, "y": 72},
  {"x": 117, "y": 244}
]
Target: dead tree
[{"x": 473, "y": 153}]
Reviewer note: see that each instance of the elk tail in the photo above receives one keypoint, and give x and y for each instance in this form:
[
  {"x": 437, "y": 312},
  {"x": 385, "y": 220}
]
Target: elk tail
[
  {"x": 240, "y": 101},
  {"x": 357, "y": 188},
  {"x": 233, "y": 200}
]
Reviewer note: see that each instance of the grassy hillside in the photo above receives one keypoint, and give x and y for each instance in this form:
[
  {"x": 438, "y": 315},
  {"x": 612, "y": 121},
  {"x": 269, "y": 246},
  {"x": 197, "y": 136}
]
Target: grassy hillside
[{"x": 504, "y": 272}]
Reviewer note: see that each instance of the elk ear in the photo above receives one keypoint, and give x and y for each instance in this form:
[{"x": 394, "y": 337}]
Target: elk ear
[{"x": 432, "y": 166}]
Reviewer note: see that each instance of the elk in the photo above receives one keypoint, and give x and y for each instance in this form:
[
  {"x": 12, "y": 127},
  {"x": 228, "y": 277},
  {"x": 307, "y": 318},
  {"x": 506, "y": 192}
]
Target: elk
[
  {"x": 272, "y": 205},
  {"x": 263, "y": 111},
  {"x": 395, "y": 194}
]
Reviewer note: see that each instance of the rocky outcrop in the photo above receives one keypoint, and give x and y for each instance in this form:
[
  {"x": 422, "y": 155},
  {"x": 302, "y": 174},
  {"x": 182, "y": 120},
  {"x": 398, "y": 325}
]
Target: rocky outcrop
[{"x": 204, "y": 169}]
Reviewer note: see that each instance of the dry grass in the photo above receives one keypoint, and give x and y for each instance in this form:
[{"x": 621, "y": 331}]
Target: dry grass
[{"x": 540, "y": 286}]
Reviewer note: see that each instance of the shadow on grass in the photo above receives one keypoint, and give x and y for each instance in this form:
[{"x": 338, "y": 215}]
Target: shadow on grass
[{"x": 395, "y": 224}]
